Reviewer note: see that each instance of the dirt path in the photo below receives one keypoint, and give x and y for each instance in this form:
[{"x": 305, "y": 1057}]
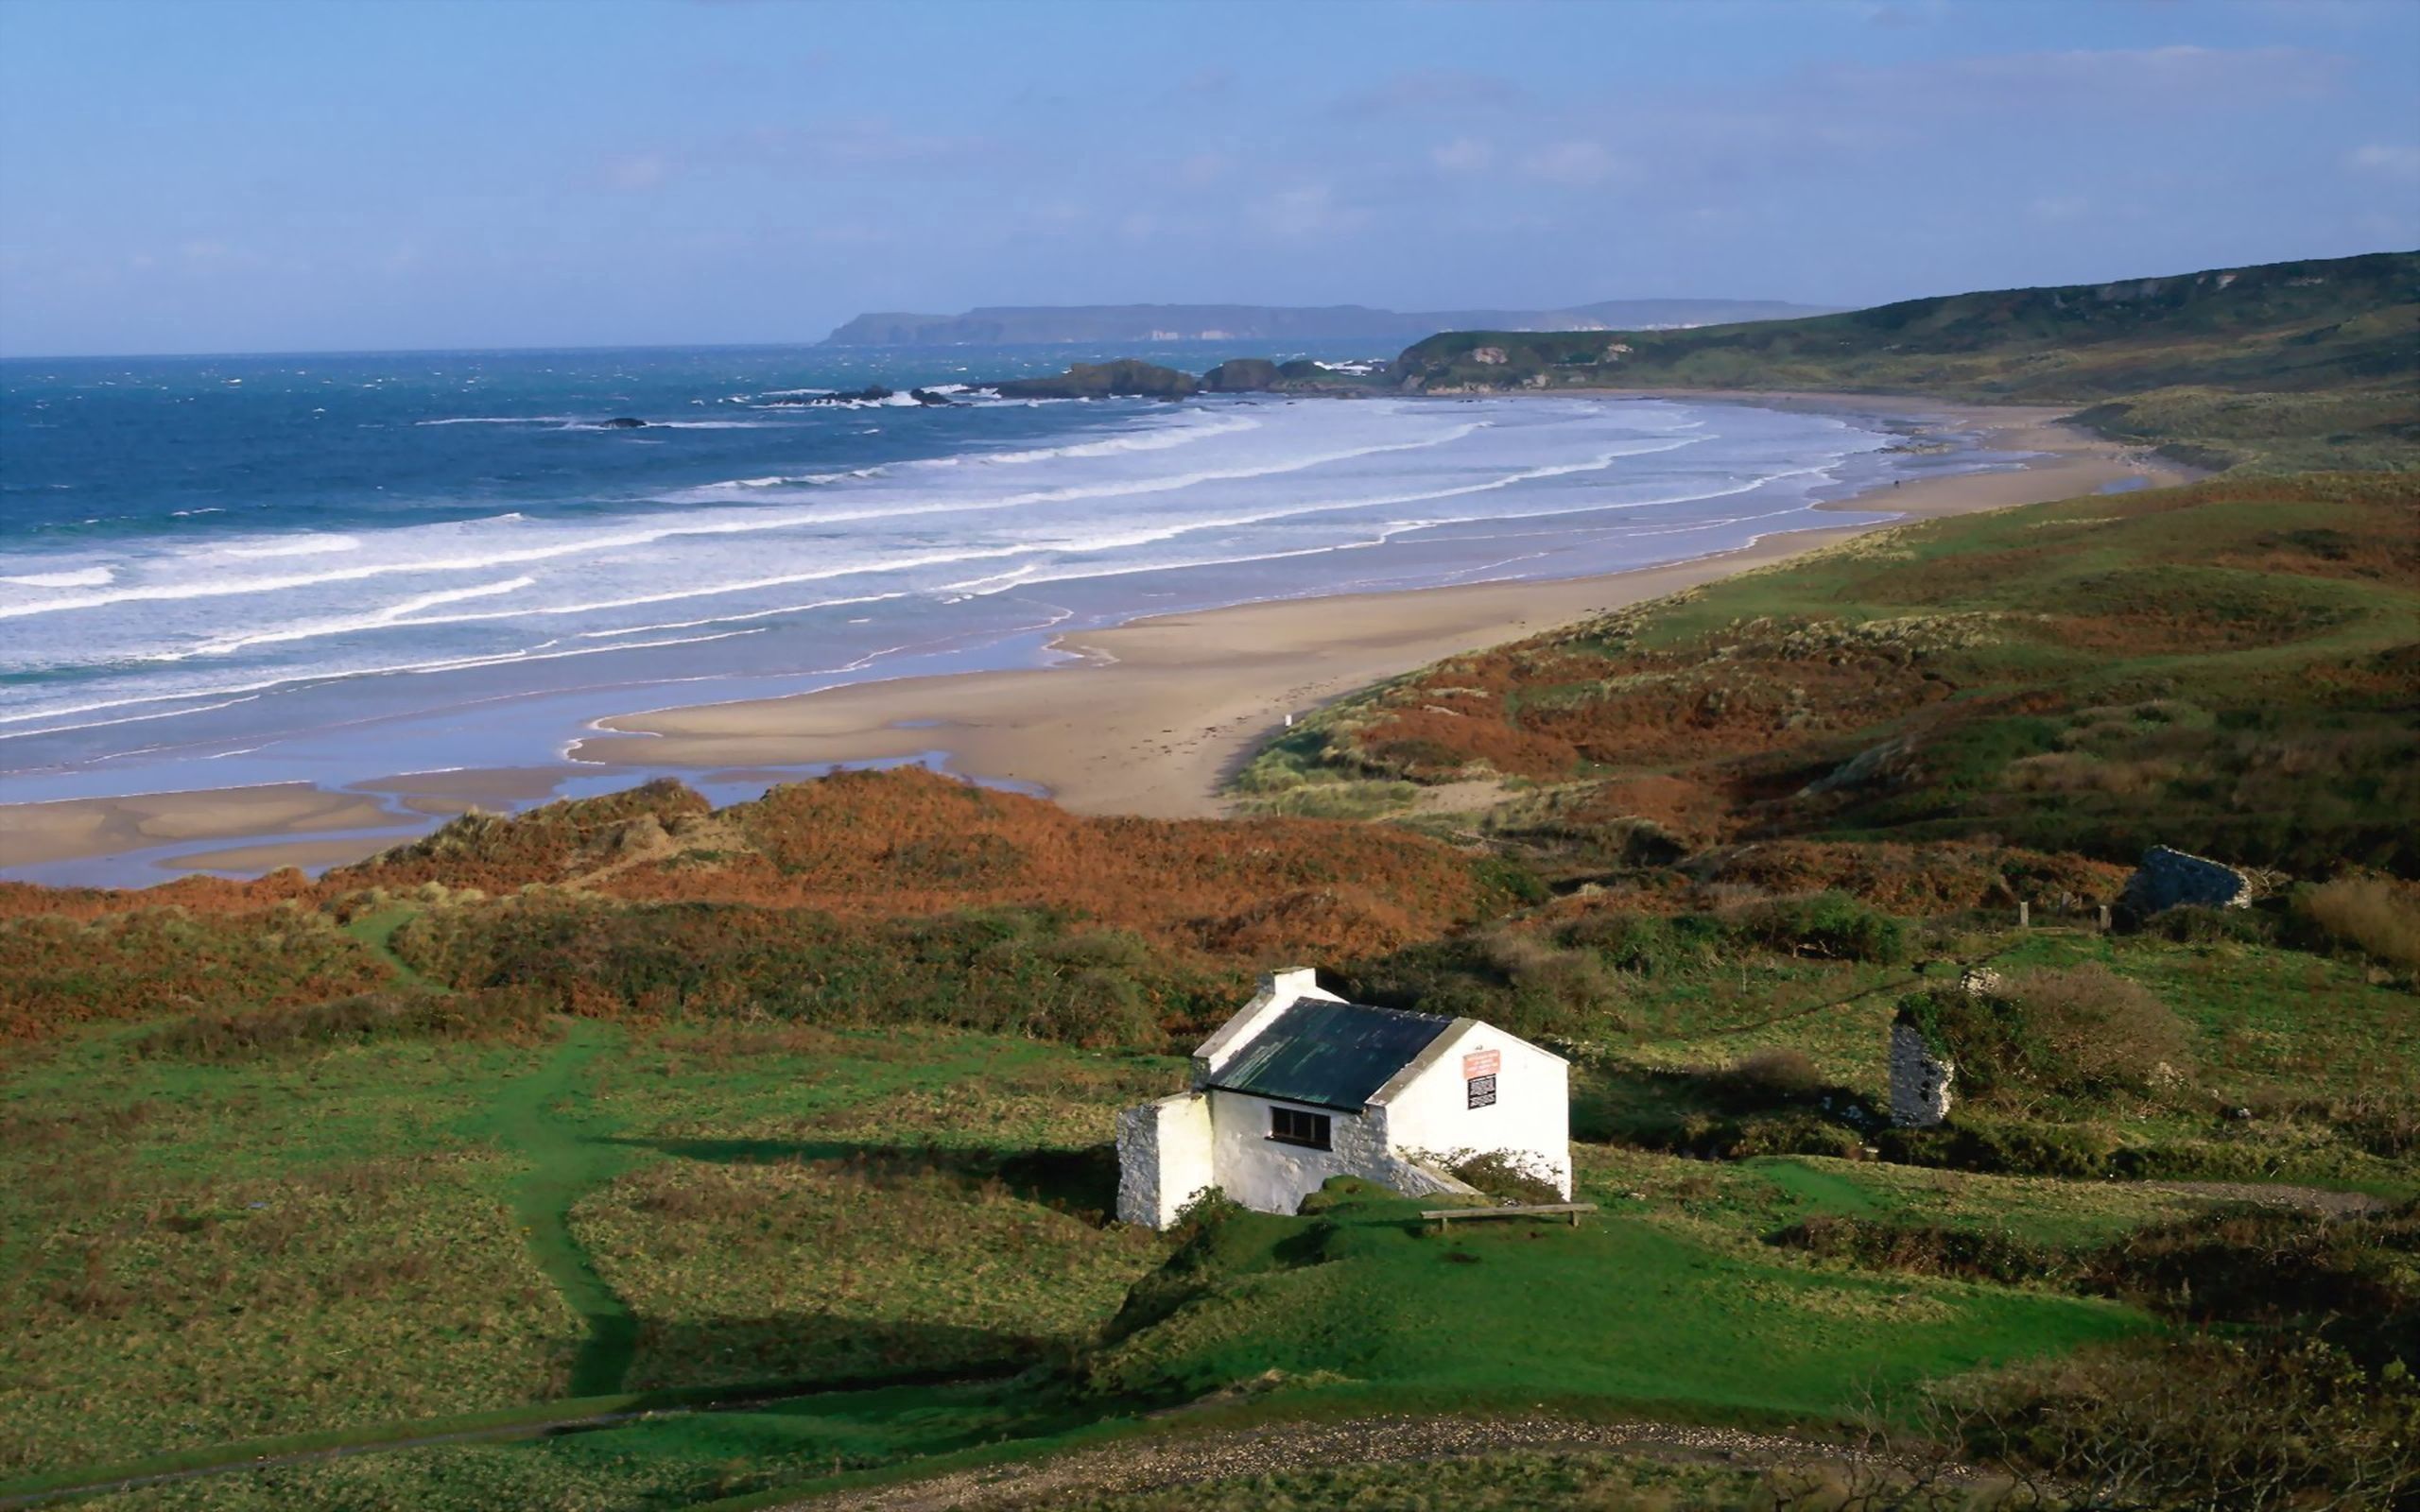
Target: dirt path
[
  {"x": 543, "y": 1118},
  {"x": 1279, "y": 1447},
  {"x": 2272, "y": 1195}
]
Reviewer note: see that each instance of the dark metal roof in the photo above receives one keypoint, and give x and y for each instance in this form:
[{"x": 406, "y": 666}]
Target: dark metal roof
[{"x": 1330, "y": 1055}]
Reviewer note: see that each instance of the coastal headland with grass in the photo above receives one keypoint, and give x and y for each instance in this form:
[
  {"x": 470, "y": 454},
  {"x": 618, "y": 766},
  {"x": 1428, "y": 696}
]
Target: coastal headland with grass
[
  {"x": 1167, "y": 706},
  {"x": 740, "y": 1142}
]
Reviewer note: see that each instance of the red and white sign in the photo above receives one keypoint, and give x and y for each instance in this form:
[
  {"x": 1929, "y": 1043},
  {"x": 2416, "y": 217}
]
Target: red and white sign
[{"x": 1481, "y": 1063}]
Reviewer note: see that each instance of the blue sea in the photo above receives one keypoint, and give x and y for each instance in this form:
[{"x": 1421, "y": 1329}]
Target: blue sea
[{"x": 336, "y": 568}]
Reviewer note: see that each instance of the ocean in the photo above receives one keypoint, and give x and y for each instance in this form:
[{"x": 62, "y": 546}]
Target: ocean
[{"x": 224, "y": 571}]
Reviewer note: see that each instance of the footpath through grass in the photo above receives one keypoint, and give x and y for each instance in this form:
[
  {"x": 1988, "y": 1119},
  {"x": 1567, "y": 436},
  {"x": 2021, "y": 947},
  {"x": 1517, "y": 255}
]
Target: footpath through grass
[{"x": 546, "y": 1119}]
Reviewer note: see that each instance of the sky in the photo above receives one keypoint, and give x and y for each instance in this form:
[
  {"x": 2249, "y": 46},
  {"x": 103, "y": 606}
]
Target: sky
[{"x": 347, "y": 174}]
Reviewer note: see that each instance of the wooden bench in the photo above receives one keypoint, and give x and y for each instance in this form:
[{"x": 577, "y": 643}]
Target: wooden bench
[{"x": 1445, "y": 1216}]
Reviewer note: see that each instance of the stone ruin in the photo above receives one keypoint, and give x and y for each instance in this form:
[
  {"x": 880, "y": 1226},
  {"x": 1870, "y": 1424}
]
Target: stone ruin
[
  {"x": 1921, "y": 1075},
  {"x": 2171, "y": 879},
  {"x": 1920, "y": 1079}
]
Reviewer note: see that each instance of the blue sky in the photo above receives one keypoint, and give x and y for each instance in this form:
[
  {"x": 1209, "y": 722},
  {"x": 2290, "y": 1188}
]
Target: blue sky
[{"x": 301, "y": 175}]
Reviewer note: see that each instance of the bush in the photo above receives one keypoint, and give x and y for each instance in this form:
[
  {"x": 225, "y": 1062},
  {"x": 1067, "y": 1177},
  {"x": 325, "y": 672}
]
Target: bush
[
  {"x": 1832, "y": 926},
  {"x": 2197, "y": 1424},
  {"x": 1096, "y": 1008},
  {"x": 504, "y": 1013},
  {"x": 1644, "y": 943},
  {"x": 1923, "y": 1249},
  {"x": 1763, "y": 1077},
  {"x": 2192, "y": 924},
  {"x": 2100, "y": 1030},
  {"x": 2371, "y": 914},
  {"x": 2347, "y": 1279},
  {"x": 1504, "y": 1174},
  {"x": 2081, "y": 1032},
  {"x": 2004, "y": 1147},
  {"x": 1554, "y": 988}
]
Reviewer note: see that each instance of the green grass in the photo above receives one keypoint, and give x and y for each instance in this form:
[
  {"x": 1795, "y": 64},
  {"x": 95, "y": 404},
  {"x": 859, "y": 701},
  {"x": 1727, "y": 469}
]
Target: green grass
[
  {"x": 567, "y": 1151},
  {"x": 198, "y": 1254},
  {"x": 2288, "y": 366},
  {"x": 376, "y": 930},
  {"x": 670, "y": 1460},
  {"x": 1623, "y": 1310}
]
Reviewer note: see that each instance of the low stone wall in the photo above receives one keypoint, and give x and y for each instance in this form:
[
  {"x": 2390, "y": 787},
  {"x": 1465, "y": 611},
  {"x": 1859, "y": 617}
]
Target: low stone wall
[{"x": 2172, "y": 879}]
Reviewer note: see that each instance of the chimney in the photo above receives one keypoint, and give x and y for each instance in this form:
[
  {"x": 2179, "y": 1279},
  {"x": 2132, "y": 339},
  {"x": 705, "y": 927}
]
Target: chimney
[{"x": 1279, "y": 990}]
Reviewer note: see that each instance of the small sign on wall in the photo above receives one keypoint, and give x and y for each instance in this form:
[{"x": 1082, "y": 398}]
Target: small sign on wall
[{"x": 1479, "y": 1068}]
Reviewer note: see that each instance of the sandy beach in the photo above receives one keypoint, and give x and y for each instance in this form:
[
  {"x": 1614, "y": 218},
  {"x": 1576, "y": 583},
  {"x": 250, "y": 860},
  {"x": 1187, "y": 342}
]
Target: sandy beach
[
  {"x": 1151, "y": 715},
  {"x": 1146, "y": 717}
]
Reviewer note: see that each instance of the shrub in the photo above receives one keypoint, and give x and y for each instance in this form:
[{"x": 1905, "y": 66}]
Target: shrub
[
  {"x": 2083, "y": 1031},
  {"x": 2346, "y": 1278},
  {"x": 1829, "y": 924},
  {"x": 2368, "y": 913},
  {"x": 2004, "y": 1147},
  {"x": 1097, "y": 1007},
  {"x": 506, "y": 1013},
  {"x": 1643, "y": 943},
  {"x": 1553, "y": 987},
  {"x": 1762, "y": 1077},
  {"x": 1797, "y": 1132},
  {"x": 2198, "y": 1423},
  {"x": 2100, "y": 1030},
  {"x": 1505, "y": 1174},
  {"x": 2193, "y": 924},
  {"x": 1923, "y": 1249}
]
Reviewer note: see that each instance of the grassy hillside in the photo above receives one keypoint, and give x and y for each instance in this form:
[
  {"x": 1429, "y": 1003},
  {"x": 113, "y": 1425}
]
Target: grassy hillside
[
  {"x": 519, "y": 1147},
  {"x": 2228, "y": 669},
  {"x": 2286, "y": 365}
]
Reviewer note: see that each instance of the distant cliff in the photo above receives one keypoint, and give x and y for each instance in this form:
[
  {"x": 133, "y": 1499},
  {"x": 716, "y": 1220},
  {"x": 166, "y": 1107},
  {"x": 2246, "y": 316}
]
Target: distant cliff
[
  {"x": 1015, "y": 325},
  {"x": 2290, "y": 366}
]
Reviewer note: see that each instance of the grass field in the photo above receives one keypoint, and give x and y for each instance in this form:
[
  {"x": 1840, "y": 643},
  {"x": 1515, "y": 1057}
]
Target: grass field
[
  {"x": 766, "y": 1149},
  {"x": 209, "y": 1253}
]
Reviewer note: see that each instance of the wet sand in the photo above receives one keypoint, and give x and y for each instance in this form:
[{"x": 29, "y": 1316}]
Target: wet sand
[
  {"x": 1153, "y": 714},
  {"x": 1147, "y": 717}
]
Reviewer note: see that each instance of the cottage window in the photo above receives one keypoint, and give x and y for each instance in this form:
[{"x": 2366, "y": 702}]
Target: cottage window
[{"x": 1291, "y": 1126}]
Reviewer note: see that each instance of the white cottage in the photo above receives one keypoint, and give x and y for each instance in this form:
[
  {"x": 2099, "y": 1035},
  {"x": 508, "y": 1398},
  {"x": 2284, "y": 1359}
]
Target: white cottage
[{"x": 1302, "y": 1086}]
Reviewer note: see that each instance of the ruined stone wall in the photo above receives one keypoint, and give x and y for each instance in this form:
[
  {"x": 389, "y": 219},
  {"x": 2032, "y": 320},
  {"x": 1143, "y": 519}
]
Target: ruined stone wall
[
  {"x": 2171, "y": 879},
  {"x": 1920, "y": 1079},
  {"x": 1164, "y": 1159}
]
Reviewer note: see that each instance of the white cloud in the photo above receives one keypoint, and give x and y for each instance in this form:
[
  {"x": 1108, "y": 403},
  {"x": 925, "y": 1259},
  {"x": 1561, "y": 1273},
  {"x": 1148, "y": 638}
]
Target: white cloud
[
  {"x": 638, "y": 173},
  {"x": 1306, "y": 211},
  {"x": 1430, "y": 91},
  {"x": 2212, "y": 76},
  {"x": 1578, "y": 162},
  {"x": 2388, "y": 160},
  {"x": 1204, "y": 168},
  {"x": 1462, "y": 155}
]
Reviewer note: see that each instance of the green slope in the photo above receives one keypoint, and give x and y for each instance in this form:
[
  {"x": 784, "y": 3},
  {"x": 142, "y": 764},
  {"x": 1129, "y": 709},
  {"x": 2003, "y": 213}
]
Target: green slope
[{"x": 2290, "y": 365}]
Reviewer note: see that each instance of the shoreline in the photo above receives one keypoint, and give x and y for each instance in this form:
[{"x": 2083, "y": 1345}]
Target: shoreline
[{"x": 1146, "y": 718}]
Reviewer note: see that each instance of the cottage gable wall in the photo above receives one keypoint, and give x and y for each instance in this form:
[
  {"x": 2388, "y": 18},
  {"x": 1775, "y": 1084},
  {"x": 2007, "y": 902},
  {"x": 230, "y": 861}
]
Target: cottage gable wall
[{"x": 1429, "y": 1109}]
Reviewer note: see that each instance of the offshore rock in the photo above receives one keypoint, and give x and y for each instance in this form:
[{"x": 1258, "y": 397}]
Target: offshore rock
[{"x": 1126, "y": 378}]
